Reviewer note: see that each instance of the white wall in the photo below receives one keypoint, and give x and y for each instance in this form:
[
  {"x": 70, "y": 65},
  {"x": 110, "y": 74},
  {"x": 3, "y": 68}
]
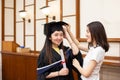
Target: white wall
[
  {"x": 88, "y": 13},
  {"x": 107, "y": 12}
]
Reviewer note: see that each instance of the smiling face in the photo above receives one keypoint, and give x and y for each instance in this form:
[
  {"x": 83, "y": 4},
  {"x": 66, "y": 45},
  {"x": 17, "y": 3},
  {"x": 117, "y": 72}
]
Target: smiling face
[
  {"x": 88, "y": 35},
  {"x": 90, "y": 38},
  {"x": 56, "y": 38}
]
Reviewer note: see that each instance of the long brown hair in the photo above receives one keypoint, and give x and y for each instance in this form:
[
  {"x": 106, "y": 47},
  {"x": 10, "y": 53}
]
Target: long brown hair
[
  {"x": 98, "y": 34},
  {"x": 51, "y": 28}
]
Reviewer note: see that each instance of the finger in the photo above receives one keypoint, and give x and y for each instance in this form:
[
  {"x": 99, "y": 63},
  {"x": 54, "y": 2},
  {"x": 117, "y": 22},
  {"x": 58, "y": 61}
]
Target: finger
[{"x": 63, "y": 26}]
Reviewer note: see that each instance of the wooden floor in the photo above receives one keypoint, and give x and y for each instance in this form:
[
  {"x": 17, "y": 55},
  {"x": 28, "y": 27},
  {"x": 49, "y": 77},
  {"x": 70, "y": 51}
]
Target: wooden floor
[{"x": 110, "y": 72}]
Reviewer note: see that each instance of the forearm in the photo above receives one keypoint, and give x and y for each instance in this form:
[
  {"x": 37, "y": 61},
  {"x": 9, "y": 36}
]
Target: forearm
[
  {"x": 77, "y": 43},
  {"x": 82, "y": 71},
  {"x": 73, "y": 46},
  {"x": 73, "y": 38},
  {"x": 62, "y": 72},
  {"x": 53, "y": 74},
  {"x": 86, "y": 72}
]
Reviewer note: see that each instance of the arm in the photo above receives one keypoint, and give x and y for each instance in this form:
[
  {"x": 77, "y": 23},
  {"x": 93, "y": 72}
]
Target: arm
[
  {"x": 62, "y": 72},
  {"x": 85, "y": 71},
  {"x": 41, "y": 63},
  {"x": 49, "y": 74},
  {"x": 75, "y": 40},
  {"x": 74, "y": 48}
]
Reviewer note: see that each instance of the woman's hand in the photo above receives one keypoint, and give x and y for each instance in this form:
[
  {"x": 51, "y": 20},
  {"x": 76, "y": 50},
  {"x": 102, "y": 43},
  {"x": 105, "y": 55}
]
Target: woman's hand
[
  {"x": 66, "y": 27},
  {"x": 63, "y": 72},
  {"x": 65, "y": 30}
]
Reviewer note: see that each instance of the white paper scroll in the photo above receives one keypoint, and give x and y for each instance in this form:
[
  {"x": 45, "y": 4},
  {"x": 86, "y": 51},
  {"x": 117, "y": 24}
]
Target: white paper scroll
[{"x": 63, "y": 58}]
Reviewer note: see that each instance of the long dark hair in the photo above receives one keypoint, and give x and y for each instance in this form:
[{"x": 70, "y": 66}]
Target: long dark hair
[
  {"x": 98, "y": 34},
  {"x": 51, "y": 28}
]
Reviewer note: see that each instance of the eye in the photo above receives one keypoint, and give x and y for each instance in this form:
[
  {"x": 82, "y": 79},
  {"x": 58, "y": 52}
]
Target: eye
[
  {"x": 56, "y": 34},
  {"x": 61, "y": 34}
]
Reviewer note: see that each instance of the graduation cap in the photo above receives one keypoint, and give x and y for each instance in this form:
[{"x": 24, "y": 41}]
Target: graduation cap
[
  {"x": 47, "y": 27},
  {"x": 53, "y": 26},
  {"x": 62, "y": 23}
]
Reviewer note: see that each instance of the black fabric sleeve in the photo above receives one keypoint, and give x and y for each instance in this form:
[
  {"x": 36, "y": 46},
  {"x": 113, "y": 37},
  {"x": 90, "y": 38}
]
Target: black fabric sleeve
[
  {"x": 42, "y": 76},
  {"x": 41, "y": 63},
  {"x": 70, "y": 57},
  {"x": 79, "y": 58}
]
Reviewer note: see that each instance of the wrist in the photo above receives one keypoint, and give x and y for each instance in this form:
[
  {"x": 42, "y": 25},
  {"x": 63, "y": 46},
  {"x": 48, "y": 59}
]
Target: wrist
[{"x": 58, "y": 73}]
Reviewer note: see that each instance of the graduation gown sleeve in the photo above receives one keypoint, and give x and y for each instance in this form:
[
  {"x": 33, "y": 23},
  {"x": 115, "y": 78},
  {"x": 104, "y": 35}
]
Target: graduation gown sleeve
[
  {"x": 70, "y": 57},
  {"x": 42, "y": 63}
]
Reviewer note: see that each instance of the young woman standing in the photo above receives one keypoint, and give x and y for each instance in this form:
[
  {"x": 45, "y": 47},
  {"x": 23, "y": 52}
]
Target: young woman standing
[{"x": 97, "y": 46}]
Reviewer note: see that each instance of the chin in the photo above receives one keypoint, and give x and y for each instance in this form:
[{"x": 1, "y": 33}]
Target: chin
[{"x": 58, "y": 44}]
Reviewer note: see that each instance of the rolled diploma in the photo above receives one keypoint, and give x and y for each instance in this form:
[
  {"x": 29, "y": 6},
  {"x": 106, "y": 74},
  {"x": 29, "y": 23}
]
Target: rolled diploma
[{"x": 63, "y": 58}]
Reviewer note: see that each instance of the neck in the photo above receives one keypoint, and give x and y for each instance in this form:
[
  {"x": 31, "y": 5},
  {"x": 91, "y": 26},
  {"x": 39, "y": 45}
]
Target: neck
[
  {"x": 94, "y": 44},
  {"x": 55, "y": 46}
]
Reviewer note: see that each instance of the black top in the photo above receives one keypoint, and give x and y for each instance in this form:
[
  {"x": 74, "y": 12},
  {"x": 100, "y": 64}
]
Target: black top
[{"x": 57, "y": 57}]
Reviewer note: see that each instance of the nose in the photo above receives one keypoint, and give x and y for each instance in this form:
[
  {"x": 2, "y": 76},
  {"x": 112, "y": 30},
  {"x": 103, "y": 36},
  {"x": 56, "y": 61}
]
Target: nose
[{"x": 60, "y": 37}]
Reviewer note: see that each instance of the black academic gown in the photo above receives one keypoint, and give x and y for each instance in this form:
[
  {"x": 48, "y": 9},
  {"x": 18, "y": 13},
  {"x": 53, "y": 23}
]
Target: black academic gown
[{"x": 57, "y": 57}]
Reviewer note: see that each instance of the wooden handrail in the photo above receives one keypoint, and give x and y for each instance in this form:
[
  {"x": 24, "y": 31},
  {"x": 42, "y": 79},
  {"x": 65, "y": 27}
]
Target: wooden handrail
[{"x": 111, "y": 60}]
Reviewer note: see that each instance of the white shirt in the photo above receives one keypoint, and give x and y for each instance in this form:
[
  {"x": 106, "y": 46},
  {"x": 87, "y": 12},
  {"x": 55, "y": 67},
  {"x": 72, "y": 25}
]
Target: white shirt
[{"x": 96, "y": 54}]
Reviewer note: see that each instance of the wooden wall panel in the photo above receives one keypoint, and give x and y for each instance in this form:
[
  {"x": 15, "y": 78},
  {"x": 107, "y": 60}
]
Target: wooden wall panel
[
  {"x": 0, "y": 23},
  {"x": 19, "y": 67}
]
